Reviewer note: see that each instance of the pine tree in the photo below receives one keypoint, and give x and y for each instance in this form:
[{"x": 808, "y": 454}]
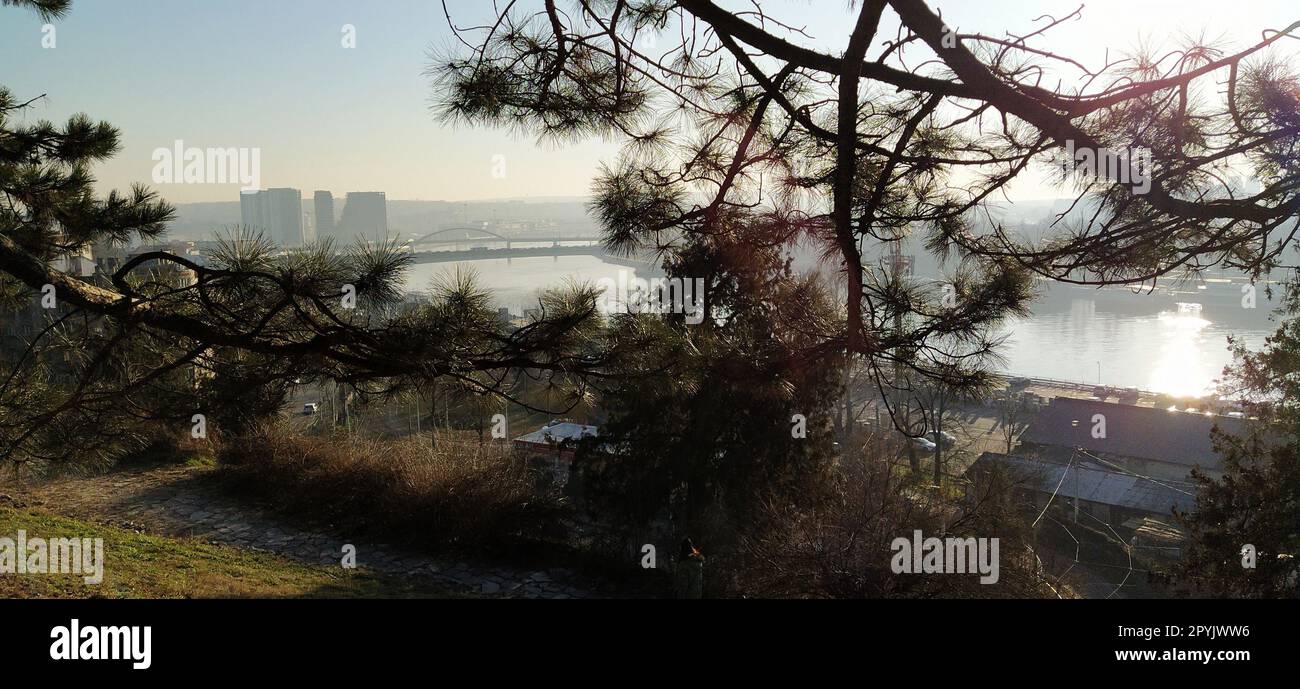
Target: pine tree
[
  {"x": 165, "y": 337},
  {"x": 1244, "y": 531}
]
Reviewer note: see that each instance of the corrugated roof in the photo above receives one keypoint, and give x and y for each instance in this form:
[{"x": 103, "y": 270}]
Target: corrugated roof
[
  {"x": 1143, "y": 432},
  {"x": 1096, "y": 485}
]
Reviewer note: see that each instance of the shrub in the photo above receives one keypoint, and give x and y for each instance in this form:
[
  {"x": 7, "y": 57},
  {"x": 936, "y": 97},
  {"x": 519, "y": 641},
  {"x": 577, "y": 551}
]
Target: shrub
[{"x": 459, "y": 493}]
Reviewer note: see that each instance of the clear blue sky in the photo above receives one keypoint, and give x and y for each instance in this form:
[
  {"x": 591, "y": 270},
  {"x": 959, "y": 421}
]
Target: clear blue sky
[{"x": 272, "y": 74}]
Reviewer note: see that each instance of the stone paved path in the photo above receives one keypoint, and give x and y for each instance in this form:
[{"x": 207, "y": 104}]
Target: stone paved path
[{"x": 179, "y": 502}]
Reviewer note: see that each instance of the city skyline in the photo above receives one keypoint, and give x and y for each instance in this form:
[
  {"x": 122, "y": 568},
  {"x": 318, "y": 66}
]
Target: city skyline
[{"x": 282, "y": 215}]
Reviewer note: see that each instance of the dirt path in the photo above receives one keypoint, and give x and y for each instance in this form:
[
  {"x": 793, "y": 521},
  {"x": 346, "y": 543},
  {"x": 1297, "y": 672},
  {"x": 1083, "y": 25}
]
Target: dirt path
[{"x": 182, "y": 502}]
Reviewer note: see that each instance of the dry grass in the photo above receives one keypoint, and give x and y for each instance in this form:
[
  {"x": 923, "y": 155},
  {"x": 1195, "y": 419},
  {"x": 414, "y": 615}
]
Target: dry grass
[
  {"x": 460, "y": 493},
  {"x": 837, "y": 543},
  {"x": 144, "y": 566}
]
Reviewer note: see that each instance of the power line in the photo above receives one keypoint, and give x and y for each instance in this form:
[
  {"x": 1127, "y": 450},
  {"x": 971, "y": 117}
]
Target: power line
[
  {"x": 1127, "y": 551},
  {"x": 1129, "y": 472},
  {"x": 1077, "y": 546},
  {"x": 1058, "y": 488}
]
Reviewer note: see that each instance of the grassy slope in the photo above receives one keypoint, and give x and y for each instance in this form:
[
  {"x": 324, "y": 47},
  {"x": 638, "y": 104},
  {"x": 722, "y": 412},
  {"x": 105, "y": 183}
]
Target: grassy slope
[{"x": 142, "y": 566}]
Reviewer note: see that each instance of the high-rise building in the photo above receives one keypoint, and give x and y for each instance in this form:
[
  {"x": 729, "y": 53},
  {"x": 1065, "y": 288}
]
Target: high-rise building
[
  {"x": 308, "y": 226},
  {"x": 365, "y": 217},
  {"x": 323, "y": 202},
  {"x": 252, "y": 210},
  {"x": 276, "y": 213},
  {"x": 284, "y": 212}
]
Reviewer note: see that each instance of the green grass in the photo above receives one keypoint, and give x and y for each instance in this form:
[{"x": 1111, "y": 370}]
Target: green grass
[
  {"x": 200, "y": 462},
  {"x": 143, "y": 566},
  {"x": 923, "y": 482}
]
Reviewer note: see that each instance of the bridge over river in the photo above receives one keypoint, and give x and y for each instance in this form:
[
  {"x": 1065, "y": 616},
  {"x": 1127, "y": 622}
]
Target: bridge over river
[
  {"x": 483, "y": 253},
  {"x": 644, "y": 266},
  {"x": 480, "y": 235}
]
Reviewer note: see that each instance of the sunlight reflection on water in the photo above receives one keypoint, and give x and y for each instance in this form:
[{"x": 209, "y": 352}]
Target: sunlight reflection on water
[
  {"x": 1180, "y": 352},
  {"x": 1180, "y": 366}
]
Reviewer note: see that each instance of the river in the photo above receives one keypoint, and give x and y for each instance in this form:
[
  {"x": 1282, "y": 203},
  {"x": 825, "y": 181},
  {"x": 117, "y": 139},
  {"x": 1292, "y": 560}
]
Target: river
[{"x": 1123, "y": 340}]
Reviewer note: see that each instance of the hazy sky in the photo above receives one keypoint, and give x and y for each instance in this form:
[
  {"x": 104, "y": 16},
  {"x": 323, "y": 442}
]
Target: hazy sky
[{"x": 273, "y": 74}]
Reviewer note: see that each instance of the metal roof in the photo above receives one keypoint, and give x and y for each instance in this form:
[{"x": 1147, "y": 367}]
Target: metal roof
[
  {"x": 1097, "y": 485},
  {"x": 1142, "y": 432}
]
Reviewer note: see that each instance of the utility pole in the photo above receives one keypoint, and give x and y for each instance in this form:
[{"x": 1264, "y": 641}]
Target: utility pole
[
  {"x": 1076, "y": 491},
  {"x": 1073, "y": 463}
]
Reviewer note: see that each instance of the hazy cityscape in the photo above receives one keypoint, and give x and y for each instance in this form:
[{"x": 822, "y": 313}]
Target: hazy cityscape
[
  {"x": 996, "y": 304},
  {"x": 1172, "y": 339}
]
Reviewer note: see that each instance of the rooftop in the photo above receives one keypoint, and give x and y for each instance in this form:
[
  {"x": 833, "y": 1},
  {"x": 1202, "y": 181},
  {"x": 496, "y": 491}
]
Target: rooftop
[
  {"x": 1093, "y": 484},
  {"x": 1142, "y": 432}
]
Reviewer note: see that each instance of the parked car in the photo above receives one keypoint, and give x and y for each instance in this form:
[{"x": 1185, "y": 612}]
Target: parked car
[
  {"x": 310, "y": 408},
  {"x": 944, "y": 438},
  {"x": 923, "y": 444}
]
